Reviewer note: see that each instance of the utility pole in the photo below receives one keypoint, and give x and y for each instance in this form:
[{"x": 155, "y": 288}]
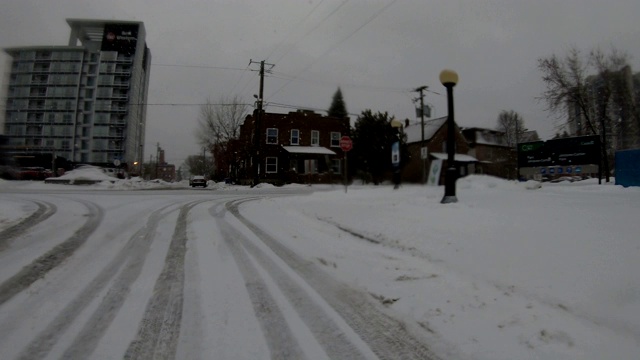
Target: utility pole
[
  {"x": 421, "y": 90},
  {"x": 157, "y": 158},
  {"x": 257, "y": 136},
  {"x": 204, "y": 162}
]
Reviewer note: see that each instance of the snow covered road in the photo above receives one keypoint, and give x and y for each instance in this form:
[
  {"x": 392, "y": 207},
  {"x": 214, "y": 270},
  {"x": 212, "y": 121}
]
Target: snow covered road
[{"x": 174, "y": 275}]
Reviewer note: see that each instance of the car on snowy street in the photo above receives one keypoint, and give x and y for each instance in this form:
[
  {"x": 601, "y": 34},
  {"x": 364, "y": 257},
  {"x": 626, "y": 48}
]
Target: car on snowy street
[{"x": 198, "y": 180}]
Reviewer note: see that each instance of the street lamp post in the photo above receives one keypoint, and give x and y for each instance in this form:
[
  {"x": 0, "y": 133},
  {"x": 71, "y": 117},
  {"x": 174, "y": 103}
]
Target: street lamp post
[{"x": 449, "y": 79}]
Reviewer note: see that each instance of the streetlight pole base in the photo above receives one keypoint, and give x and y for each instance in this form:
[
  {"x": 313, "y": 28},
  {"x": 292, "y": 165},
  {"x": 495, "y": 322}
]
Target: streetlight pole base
[{"x": 450, "y": 185}]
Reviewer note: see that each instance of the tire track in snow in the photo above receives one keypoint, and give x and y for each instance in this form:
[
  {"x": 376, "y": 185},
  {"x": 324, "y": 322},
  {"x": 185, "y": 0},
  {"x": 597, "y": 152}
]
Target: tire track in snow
[
  {"x": 52, "y": 258},
  {"x": 44, "y": 211},
  {"x": 277, "y": 333},
  {"x": 387, "y": 337},
  {"x": 131, "y": 259},
  {"x": 335, "y": 343},
  {"x": 159, "y": 329}
]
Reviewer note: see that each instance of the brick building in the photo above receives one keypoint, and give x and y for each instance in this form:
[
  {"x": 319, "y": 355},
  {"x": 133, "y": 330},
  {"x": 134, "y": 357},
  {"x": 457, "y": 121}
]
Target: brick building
[
  {"x": 435, "y": 140},
  {"x": 495, "y": 156},
  {"x": 298, "y": 147}
]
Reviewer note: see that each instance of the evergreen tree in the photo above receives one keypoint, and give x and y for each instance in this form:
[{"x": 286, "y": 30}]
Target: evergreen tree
[
  {"x": 372, "y": 138},
  {"x": 338, "y": 108}
]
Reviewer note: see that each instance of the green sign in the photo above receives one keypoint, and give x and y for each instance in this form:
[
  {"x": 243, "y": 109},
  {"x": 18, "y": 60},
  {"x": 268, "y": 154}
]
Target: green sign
[{"x": 579, "y": 150}]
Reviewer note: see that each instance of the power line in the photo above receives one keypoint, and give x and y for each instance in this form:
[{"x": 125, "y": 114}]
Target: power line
[
  {"x": 244, "y": 70},
  {"x": 249, "y": 81},
  {"x": 372, "y": 87},
  {"x": 298, "y": 107},
  {"x": 312, "y": 29},
  {"x": 371, "y": 18},
  {"x": 239, "y": 79},
  {"x": 200, "y": 66},
  {"x": 186, "y": 104},
  {"x": 293, "y": 29}
]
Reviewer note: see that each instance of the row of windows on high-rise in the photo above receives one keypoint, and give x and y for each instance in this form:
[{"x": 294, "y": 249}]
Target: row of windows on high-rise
[{"x": 70, "y": 56}]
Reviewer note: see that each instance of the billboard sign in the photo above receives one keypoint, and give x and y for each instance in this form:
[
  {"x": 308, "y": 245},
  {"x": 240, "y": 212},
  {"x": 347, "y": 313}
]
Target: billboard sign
[
  {"x": 120, "y": 38},
  {"x": 533, "y": 154},
  {"x": 574, "y": 151},
  {"x": 581, "y": 150}
]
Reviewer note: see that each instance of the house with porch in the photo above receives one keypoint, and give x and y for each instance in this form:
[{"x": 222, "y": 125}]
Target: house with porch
[
  {"x": 433, "y": 137},
  {"x": 298, "y": 147},
  {"x": 495, "y": 156}
]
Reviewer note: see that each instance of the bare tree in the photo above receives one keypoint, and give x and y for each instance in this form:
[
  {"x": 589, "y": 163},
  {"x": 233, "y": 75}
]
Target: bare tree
[
  {"x": 219, "y": 123},
  {"x": 585, "y": 99},
  {"x": 511, "y": 123},
  {"x": 199, "y": 165}
]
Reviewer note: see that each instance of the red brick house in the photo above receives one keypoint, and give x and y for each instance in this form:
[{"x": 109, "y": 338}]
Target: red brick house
[
  {"x": 435, "y": 140},
  {"x": 298, "y": 147}
]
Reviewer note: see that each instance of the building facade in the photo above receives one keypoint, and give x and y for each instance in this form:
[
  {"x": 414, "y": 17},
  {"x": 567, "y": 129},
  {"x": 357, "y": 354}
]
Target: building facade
[
  {"x": 298, "y": 147},
  {"x": 622, "y": 118},
  {"x": 495, "y": 156},
  {"x": 433, "y": 137},
  {"x": 86, "y": 101}
]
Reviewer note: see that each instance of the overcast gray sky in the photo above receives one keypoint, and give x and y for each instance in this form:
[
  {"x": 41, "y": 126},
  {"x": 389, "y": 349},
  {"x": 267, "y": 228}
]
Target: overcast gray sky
[{"x": 376, "y": 51}]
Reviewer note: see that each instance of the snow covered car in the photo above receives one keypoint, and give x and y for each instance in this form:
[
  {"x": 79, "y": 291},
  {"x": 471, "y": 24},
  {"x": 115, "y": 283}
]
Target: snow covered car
[{"x": 197, "y": 181}]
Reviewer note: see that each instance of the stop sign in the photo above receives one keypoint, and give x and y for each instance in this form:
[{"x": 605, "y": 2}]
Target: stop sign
[{"x": 345, "y": 143}]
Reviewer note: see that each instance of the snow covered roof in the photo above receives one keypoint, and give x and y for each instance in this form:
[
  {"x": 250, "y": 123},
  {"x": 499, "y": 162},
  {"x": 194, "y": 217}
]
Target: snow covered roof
[
  {"x": 414, "y": 132},
  {"x": 529, "y": 136},
  {"x": 457, "y": 157},
  {"x": 490, "y": 138},
  {"x": 482, "y": 136},
  {"x": 308, "y": 150}
]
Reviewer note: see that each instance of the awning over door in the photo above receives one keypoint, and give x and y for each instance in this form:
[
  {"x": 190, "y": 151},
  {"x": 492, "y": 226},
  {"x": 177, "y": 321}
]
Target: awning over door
[{"x": 316, "y": 150}]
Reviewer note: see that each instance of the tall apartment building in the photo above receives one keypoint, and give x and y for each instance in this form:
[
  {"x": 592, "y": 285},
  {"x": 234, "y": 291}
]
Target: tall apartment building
[{"x": 85, "y": 102}]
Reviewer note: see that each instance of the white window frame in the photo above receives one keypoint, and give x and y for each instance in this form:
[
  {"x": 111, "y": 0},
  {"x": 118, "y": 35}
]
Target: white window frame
[
  {"x": 271, "y": 136},
  {"x": 315, "y": 138},
  {"x": 335, "y": 139},
  {"x": 295, "y": 140},
  {"x": 271, "y": 168}
]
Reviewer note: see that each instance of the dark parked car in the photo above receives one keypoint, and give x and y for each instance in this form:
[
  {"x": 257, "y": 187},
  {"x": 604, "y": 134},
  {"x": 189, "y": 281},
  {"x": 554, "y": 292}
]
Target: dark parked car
[{"x": 197, "y": 180}]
